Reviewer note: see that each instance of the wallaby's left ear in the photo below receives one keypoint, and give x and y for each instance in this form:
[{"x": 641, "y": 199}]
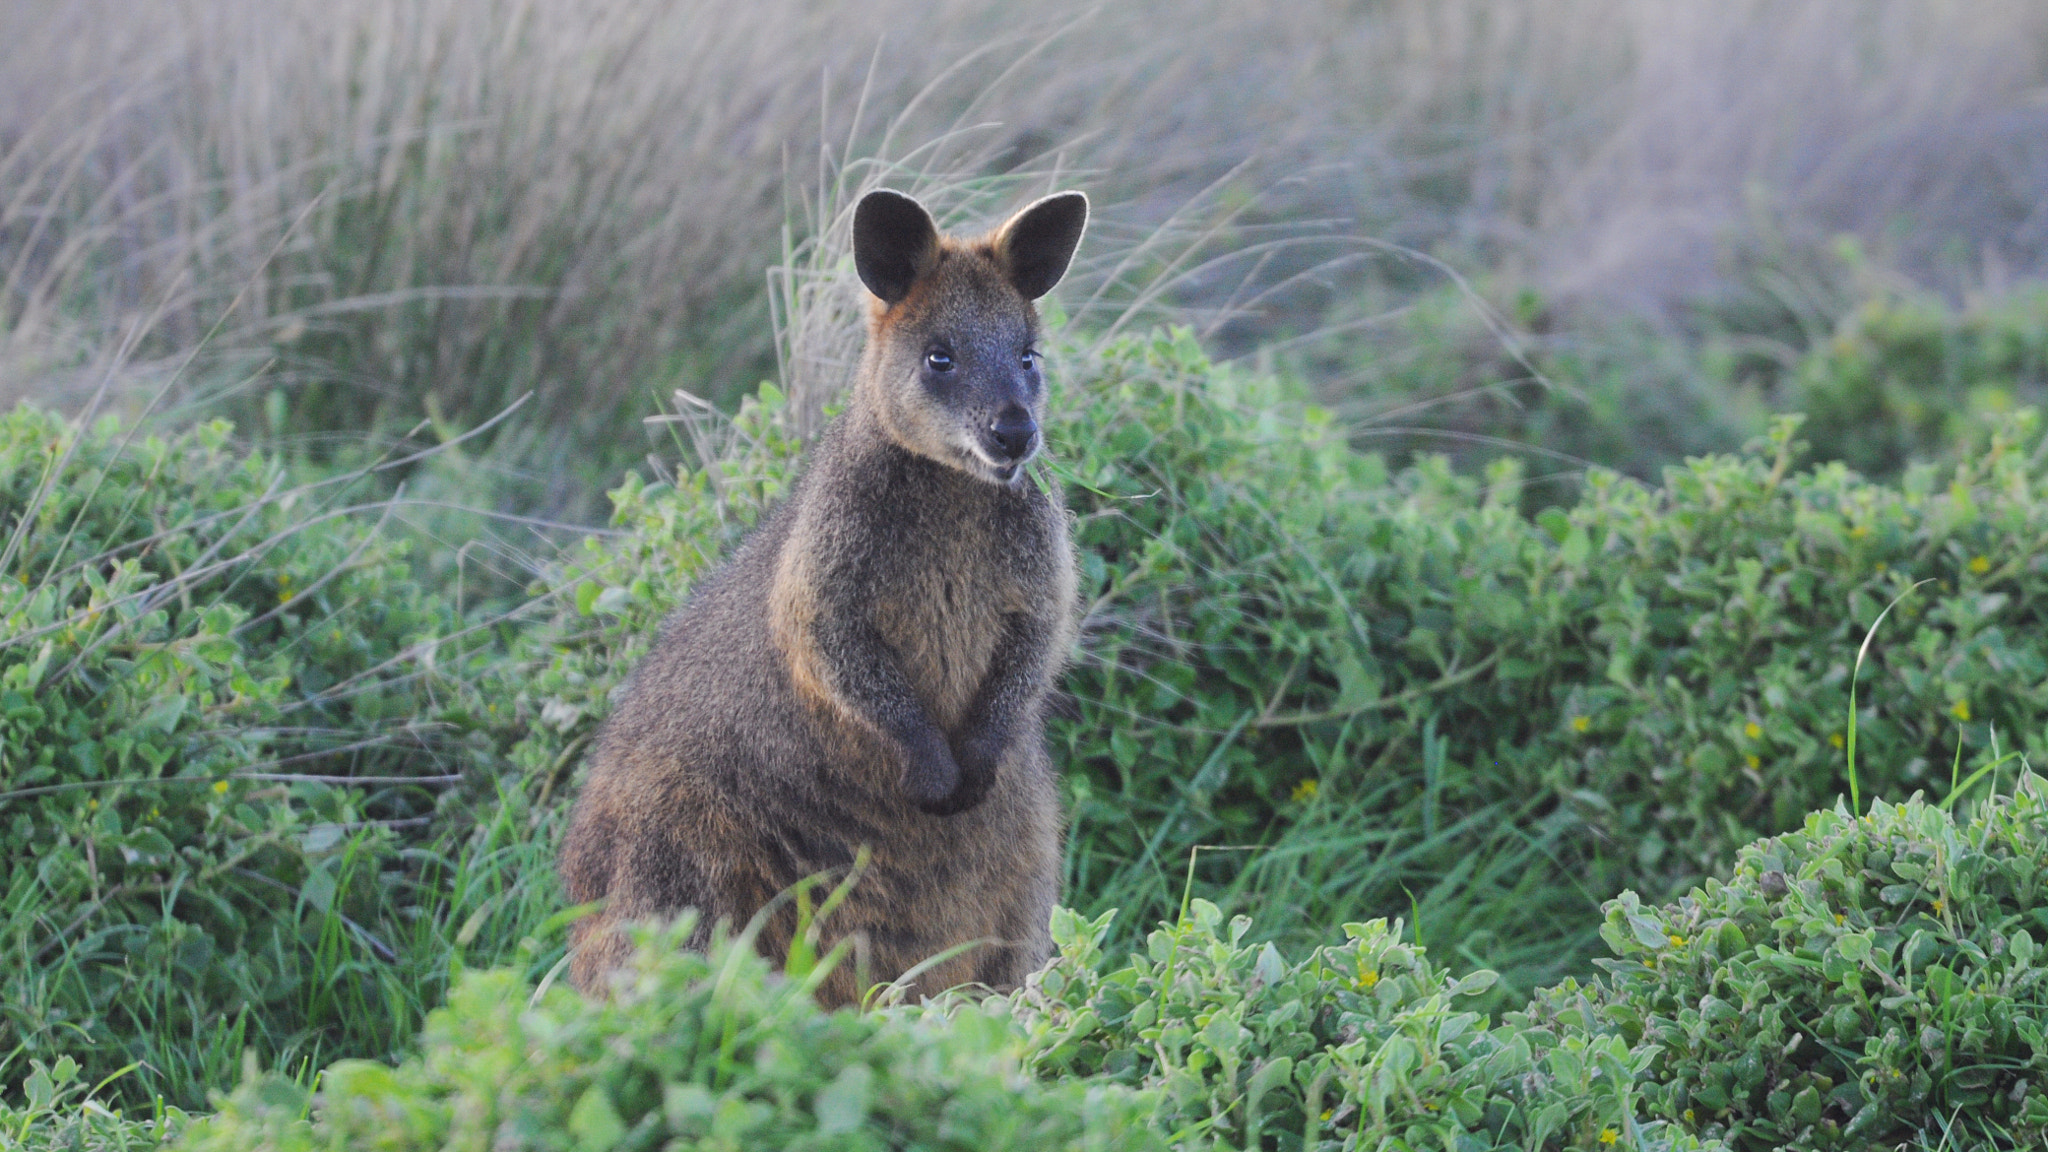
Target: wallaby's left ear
[
  {"x": 894, "y": 243},
  {"x": 1037, "y": 244}
]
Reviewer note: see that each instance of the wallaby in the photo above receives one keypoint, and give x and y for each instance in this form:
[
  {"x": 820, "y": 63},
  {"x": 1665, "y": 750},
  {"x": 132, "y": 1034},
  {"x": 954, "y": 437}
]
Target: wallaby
[{"x": 870, "y": 667}]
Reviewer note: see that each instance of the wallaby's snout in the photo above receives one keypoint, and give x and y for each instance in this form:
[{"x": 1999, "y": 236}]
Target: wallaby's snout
[{"x": 1013, "y": 438}]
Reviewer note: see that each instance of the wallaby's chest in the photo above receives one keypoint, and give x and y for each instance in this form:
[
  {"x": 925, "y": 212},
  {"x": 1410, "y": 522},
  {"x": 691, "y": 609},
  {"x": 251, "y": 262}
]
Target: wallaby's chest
[{"x": 949, "y": 577}]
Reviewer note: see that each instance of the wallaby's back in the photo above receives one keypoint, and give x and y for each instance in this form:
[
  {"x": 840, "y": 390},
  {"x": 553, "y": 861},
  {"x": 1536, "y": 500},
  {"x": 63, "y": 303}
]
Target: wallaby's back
[{"x": 869, "y": 669}]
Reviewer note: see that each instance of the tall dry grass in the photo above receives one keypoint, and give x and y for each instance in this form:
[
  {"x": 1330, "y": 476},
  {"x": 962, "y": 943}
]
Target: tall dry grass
[
  {"x": 1747, "y": 130},
  {"x": 384, "y": 210}
]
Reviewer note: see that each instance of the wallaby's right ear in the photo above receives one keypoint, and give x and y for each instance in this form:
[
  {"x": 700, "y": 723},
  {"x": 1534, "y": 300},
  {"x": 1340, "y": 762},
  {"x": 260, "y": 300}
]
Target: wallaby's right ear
[{"x": 894, "y": 243}]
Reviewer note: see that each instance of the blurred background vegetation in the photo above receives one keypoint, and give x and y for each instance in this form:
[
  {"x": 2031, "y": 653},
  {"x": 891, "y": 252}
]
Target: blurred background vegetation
[{"x": 358, "y": 215}]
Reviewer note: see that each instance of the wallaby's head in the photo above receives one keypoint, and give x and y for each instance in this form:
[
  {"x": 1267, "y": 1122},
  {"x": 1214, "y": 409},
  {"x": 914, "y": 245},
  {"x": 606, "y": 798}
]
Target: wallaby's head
[{"x": 953, "y": 368}]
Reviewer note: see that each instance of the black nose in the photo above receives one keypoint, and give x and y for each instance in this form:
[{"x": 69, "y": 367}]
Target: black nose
[{"x": 1014, "y": 432}]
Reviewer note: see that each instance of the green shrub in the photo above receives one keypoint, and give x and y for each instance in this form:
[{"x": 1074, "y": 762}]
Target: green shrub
[
  {"x": 1887, "y": 377},
  {"x": 58, "y": 1113},
  {"x": 1429, "y": 372},
  {"x": 1910, "y": 378},
  {"x": 710, "y": 1052},
  {"x": 1855, "y": 983},
  {"x": 1397, "y": 684},
  {"x": 1358, "y": 1046},
  {"x": 215, "y": 688},
  {"x": 1404, "y": 694}
]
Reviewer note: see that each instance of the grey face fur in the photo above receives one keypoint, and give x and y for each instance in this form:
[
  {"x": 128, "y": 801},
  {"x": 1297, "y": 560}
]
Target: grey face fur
[
  {"x": 974, "y": 359},
  {"x": 955, "y": 355}
]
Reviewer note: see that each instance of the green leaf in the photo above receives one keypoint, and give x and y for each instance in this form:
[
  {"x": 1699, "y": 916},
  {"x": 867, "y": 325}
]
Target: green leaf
[
  {"x": 1854, "y": 946},
  {"x": 1942, "y": 983},
  {"x": 318, "y": 889},
  {"x": 1649, "y": 933},
  {"x": 2023, "y": 948},
  {"x": 1473, "y": 983},
  {"x": 1270, "y": 968},
  {"x": 1269, "y": 1075},
  {"x": 595, "y": 1122},
  {"x": 842, "y": 1105}
]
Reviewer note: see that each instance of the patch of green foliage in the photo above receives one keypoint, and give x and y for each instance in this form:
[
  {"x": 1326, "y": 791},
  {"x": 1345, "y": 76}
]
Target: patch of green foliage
[
  {"x": 1363, "y": 1044},
  {"x": 1854, "y": 982},
  {"x": 691, "y": 1050},
  {"x": 1443, "y": 373},
  {"x": 1393, "y": 682},
  {"x": 61, "y": 1111},
  {"x": 1908, "y": 378},
  {"x": 1857, "y": 983},
  {"x": 1886, "y": 376},
  {"x": 224, "y": 748}
]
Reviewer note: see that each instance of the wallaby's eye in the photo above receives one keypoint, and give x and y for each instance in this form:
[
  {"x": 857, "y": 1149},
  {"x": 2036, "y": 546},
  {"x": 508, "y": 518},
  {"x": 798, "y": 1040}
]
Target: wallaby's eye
[
  {"x": 939, "y": 360},
  {"x": 1029, "y": 359}
]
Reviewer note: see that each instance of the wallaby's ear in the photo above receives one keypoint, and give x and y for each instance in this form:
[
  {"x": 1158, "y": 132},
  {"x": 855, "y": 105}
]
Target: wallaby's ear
[
  {"x": 894, "y": 242},
  {"x": 1038, "y": 242}
]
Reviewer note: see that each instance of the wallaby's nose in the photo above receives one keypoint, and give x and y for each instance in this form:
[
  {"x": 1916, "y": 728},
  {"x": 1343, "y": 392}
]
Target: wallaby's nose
[{"x": 1015, "y": 433}]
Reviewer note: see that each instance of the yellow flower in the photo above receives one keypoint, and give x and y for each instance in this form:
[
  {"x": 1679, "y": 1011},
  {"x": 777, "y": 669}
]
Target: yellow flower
[
  {"x": 1581, "y": 723},
  {"x": 1689, "y": 1119},
  {"x": 1938, "y": 906},
  {"x": 1838, "y": 919},
  {"x": 1609, "y": 1135},
  {"x": 1859, "y": 532},
  {"x": 1368, "y": 979},
  {"x": 1327, "y": 1113},
  {"x": 1835, "y": 738},
  {"x": 1306, "y": 790},
  {"x": 1678, "y": 941},
  {"x": 1881, "y": 566},
  {"x": 1752, "y": 730},
  {"x": 1960, "y": 709},
  {"x": 1753, "y": 761},
  {"x": 1979, "y": 565},
  {"x": 92, "y": 805},
  {"x": 220, "y": 787}
]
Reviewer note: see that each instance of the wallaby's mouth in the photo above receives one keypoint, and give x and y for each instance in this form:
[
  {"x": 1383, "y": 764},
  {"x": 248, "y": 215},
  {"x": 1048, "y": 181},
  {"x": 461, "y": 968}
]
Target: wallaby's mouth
[
  {"x": 997, "y": 465},
  {"x": 1004, "y": 473}
]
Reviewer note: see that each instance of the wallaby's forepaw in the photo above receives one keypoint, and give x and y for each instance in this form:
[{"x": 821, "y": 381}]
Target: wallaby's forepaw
[
  {"x": 931, "y": 777},
  {"x": 977, "y": 756}
]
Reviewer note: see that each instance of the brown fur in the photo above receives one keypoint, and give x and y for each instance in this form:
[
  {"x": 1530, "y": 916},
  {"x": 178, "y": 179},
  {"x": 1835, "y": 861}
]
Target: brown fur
[{"x": 869, "y": 669}]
